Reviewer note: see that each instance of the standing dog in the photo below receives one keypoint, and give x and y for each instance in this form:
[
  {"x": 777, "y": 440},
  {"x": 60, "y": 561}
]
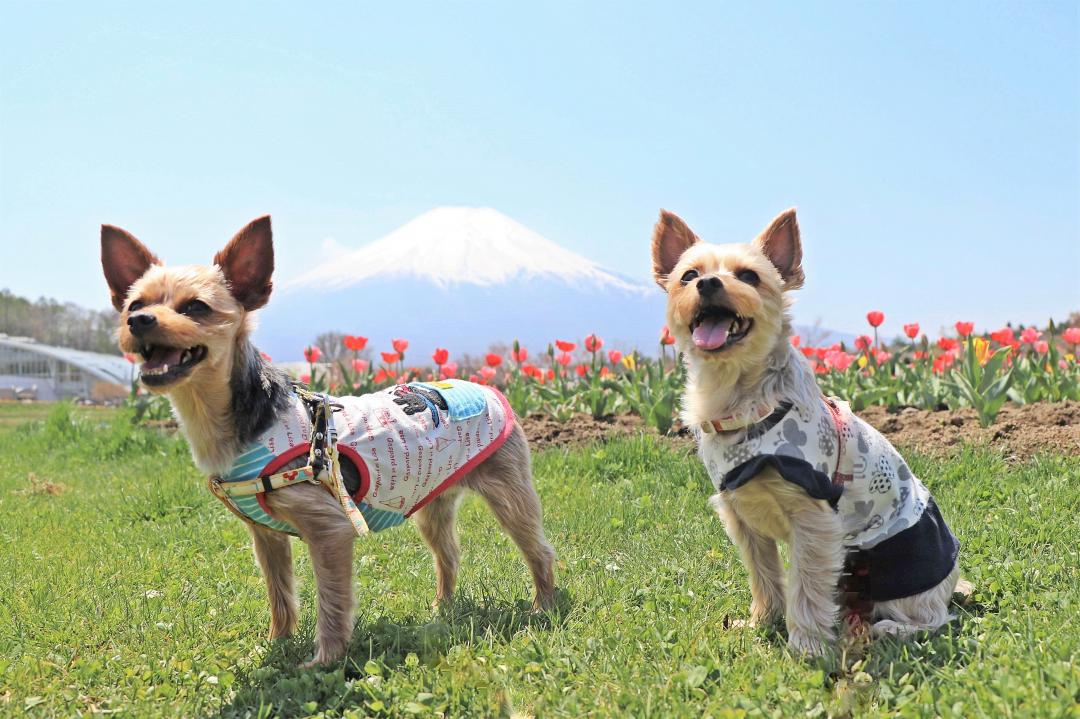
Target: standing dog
[
  {"x": 789, "y": 464},
  {"x": 191, "y": 326}
]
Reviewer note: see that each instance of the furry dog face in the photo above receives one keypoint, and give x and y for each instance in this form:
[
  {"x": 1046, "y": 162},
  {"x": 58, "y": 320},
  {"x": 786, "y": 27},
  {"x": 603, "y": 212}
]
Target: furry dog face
[
  {"x": 184, "y": 322},
  {"x": 726, "y": 303}
]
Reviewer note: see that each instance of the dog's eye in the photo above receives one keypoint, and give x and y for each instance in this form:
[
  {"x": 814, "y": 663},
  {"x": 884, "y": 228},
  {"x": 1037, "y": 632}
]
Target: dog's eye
[
  {"x": 194, "y": 308},
  {"x": 689, "y": 275},
  {"x": 136, "y": 305},
  {"x": 748, "y": 276}
]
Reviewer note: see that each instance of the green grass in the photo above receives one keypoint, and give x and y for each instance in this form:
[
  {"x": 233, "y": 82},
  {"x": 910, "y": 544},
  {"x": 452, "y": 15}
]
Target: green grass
[{"x": 134, "y": 592}]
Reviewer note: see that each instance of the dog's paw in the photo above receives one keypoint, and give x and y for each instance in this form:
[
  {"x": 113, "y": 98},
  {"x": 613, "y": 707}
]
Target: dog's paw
[
  {"x": 324, "y": 656},
  {"x": 809, "y": 643}
]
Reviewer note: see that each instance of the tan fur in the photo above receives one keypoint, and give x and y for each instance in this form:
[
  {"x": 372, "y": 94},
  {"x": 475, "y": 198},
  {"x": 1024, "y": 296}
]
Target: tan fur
[
  {"x": 740, "y": 379},
  {"x": 238, "y": 283}
]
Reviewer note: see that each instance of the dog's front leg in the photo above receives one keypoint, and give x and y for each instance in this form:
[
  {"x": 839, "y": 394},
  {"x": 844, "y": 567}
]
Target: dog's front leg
[
  {"x": 329, "y": 535},
  {"x": 817, "y": 558},
  {"x": 762, "y": 560},
  {"x": 273, "y": 551}
]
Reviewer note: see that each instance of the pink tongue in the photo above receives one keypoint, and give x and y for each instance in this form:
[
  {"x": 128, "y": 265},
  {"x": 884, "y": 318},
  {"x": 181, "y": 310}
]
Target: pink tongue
[
  {"x": 711, "y": 334},
  {"x": 165, "y": 356}
]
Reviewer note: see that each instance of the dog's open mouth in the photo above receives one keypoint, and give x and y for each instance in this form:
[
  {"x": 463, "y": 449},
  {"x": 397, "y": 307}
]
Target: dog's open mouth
[
  {"x": 163, "y": 365},
  {"x": 716, "y": 328}
]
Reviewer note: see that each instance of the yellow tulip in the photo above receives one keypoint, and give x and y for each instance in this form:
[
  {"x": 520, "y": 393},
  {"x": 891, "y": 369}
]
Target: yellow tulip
[
  {"x": 982, "y": 349},
  {"x": 629, "y": 362}
]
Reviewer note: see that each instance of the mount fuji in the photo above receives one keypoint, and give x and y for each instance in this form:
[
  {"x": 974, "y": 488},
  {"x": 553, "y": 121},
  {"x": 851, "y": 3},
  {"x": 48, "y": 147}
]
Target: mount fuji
[{"x": 462, "y": 278}]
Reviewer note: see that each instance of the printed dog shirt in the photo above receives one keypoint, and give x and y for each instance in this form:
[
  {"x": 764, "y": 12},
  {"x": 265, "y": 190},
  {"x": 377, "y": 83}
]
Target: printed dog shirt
[
  {"x": 409, "y": 443},
  {"x": 892, "y": 527}
]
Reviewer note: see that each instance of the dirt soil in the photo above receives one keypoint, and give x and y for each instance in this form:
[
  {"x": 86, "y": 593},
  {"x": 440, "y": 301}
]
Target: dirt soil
[{"x": 1019, "y": 432}]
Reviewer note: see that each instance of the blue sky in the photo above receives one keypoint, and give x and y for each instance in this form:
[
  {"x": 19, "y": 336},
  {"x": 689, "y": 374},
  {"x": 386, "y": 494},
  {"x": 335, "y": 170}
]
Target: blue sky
[{"x": 932, "y": 149}]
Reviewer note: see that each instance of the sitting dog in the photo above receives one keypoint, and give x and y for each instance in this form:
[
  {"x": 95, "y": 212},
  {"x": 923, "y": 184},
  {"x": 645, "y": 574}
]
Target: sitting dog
[
  {"x": 269, "y": 447},
  {"x": 789, "y": 464}
]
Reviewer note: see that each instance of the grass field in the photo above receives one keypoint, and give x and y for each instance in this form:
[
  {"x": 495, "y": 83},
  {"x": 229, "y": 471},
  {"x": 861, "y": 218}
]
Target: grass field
[{"x": 126, "y": 588}]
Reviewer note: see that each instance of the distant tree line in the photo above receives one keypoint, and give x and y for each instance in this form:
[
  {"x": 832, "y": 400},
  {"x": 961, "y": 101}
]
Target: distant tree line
[{"x": 63, "y": 324}]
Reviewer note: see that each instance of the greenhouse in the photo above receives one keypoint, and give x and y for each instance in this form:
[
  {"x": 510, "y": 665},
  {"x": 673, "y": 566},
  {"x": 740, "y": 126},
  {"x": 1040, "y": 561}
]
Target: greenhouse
[{"x": 33, "y": 371}]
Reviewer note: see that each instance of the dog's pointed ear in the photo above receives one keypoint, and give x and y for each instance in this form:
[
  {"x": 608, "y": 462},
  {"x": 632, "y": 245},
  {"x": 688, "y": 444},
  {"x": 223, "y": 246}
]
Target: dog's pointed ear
[
  {"x": 782, "y": 245},
  {"x": 124, "y": 260},
  {"x": 671, "y": 238},
  {"x": 248, "y": 263}
]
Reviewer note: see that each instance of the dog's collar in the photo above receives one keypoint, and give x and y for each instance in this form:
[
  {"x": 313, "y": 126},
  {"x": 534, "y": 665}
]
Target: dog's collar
[{"x": 732, "y": 422}]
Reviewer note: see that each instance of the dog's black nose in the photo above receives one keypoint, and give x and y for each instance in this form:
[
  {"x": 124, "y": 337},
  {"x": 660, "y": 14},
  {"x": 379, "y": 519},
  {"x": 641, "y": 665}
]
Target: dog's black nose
[
  {"x": 141, "y": 322},
  {"x": 708, "y": 285}
]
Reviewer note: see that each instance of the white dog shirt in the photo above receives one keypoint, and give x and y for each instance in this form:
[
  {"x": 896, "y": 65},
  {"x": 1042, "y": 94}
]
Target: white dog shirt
[
  {"x": 409, "y": 443},
  {"x": 891, "y": 523}
]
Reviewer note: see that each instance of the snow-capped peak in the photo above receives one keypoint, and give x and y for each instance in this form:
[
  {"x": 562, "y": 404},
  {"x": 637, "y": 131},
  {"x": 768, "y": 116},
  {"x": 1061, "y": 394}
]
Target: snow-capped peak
[{"x": 451, "y": 245}]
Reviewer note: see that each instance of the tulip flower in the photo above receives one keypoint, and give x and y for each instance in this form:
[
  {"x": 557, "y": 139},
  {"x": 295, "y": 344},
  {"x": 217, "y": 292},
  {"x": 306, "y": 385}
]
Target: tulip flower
[
  {"x": 875, "y": 318},
  {"x": 882, "y": 356},
  {"x": 912, "y": 330},
  {"x": 354, "y": 342},
  {"x": 614, "y": 356},
  {"x": 947, "y": 343},
  {"x": 982, "y": 350},
  {"x": 390, "y": 357},
  {"x": 493, "y": 360},
  {"x": 550, "y": 374},
  {"x": 380, "y": 376},
  {"x": 400, "y": 345},
  {"x": 593, "y": 343},
  {"x": 440, "y": 356},
  {"x": 448, "y": 370},
  {"x": 488, "y": 373},
  {"x": 564, "y": 359},
  {"x": 604, "y": 371},
  {"x": 1071, "y": 335},
  {"x": 261, "y": 354},
  {"x": 863, "y": 342},
  {"x": 565, "y": 346},
  {"x": 1003, "y": 336},
  {"x": 1042, "y": 347},
  {"x": 807, "y": 351},
  {"x": 581, "y": 370},
  {"x": 795, "y": 340},
  {"x": 519, "y": 355},
  {"x": 1030, "y": 335},
  {"x": 359, "y": 366},
  {"x": 312, "y": 354},
  {"x": 964, "y": 328},
  {"x": 630, "y": 362},
  {"x": 665, "y": 336}
]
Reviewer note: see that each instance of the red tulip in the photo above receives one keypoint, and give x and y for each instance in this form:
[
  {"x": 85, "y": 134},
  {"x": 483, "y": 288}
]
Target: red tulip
[
  {"x": 1042, "y": 347},
  {"x": 666, "y": 337},
  {"x": 1030, "y": 335},
  {"x": 882, "y": 356},
  {"x": 354, "y": 342},
  {"x": 493, "y": 360},
  {"x": 448, "y": 370},
  {"x": 1003, "y": 336},
  {"x": 581, "y": 370},
  {"x": 1071, "y": 335},
  {"x": 441, "y": 356},
  {"x": 912, "y": 330},
  {"x": 807, "y": 351},
  {"x": 550, "y": 374},
  {"x": 519, "y": 355},
  {"x": 964, "y": 328},
  {"x": 564, "y": 359},
  {"x": 390, "y": 357},
  {"x": 593, "y": 343},
  {"x": 947, "y": 343},
  {"x": 359, "y": 365},
  {"x": 473, "y": 378},
  {"x": 380, "y": 376},
  {"x": 312, "y": 354},
  {"x": 565, "y": 346},
  {"x": 839, "y": 360},
  {"x": 795, "y": 340},
  {"x": 400, "y": 345},
  {"x": 614, "y": 356},
  {"x": 863, "y": 342},
  {"x": 875, "y": 318},
  {"x": 305, "y": 378}
]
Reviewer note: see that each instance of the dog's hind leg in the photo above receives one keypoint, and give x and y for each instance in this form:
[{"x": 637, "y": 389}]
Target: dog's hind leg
[
  {"x": 273, "y": 550},
  {"x": 329, "y": 535},
  {"x": 504, "y": 480},
  {"x": 435, "y": 521},
  {"x": 817, "y": 558},
  {"x": 926, "y": 611},
  {"x": 762, "y": 560}
]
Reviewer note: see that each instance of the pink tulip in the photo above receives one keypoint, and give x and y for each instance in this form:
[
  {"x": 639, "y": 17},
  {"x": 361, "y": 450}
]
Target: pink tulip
[
  {"x": 359, "y": 366},
  {"x": 1042, "y": 347},
  {"x": 875, "y": 318}
]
